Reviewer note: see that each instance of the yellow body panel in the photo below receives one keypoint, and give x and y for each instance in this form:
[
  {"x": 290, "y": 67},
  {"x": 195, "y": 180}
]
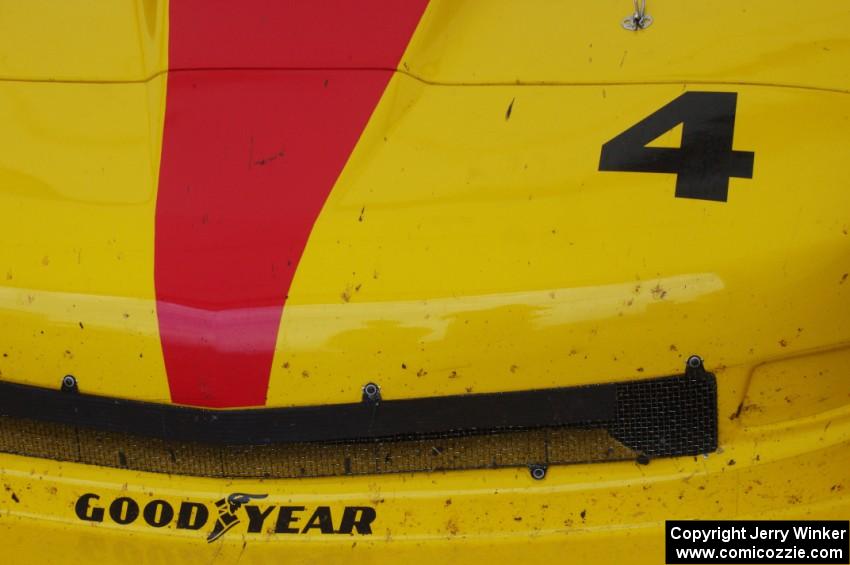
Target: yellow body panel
[
  {"x": 490, "y": 254},
  {"x": 470, "y": 245},
  {"x": 80, "y": 41},
  {"x": 713, "y": 41},
  {"x": 604, "y": 513},
  {"x": 79, "y": 174}
]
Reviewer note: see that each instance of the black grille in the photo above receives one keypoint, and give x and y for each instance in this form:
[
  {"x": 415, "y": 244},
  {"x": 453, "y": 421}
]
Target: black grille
[{"x": 635, "y": 420}]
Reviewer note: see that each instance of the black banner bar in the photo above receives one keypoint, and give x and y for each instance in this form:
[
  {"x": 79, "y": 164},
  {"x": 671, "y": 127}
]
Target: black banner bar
[{"x": 471, "y": 413}]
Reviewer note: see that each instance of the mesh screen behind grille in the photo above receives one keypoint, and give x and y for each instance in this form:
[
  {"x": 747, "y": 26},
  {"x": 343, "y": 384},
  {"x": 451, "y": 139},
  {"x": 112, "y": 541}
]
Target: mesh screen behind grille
[{"x": 669, "y": 416}]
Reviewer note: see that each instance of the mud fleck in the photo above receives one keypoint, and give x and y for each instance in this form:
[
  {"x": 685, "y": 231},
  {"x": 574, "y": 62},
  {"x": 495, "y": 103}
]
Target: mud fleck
[
  {"x": 658, "y": 292},
  {"x": 305, "y": 373},
  {"x": 783, "y": 343},
  {"x": 451, "y": 527},
  {"x": 448, "y": 502},
  {"x": 843, "y": 278},
  {"x": 583, "y": 515},
  {"x": 362, "y": 213},
  {"x": 15, "y": 497},
  {"x": 514, "y": 368},
  {"x": 421, "y": 373},
  {"x": 735, "y": 415},
  {"x": 731, "y": 462}
]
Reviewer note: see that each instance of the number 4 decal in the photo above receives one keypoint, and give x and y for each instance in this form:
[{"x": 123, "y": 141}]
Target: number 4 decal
[{"x": 704, "y": 161}]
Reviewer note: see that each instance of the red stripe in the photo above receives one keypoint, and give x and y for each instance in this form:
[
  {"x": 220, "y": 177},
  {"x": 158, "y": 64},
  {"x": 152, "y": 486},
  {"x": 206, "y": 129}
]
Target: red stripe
[{"x": 248, "y": 159}]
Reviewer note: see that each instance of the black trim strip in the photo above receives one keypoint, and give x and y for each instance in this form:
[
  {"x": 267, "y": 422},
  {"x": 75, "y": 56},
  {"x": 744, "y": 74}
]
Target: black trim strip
[{"x": 472, "y": 413}]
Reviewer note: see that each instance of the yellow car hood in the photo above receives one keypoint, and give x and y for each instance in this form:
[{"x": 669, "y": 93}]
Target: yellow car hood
[{"x": 466, "y": 240}]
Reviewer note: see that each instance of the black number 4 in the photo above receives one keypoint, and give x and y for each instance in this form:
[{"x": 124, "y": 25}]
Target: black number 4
[{"x": 705, "y": 160}]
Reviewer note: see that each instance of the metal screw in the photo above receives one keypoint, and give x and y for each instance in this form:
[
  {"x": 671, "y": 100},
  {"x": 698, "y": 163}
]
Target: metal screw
[
  {"x": 69, "y": 383},
  {"x": 694, "y": 361},
  {"x": 538, "y": 472},
  {"x": 371, "y": 392}
]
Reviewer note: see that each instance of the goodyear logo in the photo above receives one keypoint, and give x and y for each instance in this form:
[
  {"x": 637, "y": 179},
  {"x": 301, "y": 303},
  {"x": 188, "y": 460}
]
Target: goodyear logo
[{"x": 231, "y": 510}]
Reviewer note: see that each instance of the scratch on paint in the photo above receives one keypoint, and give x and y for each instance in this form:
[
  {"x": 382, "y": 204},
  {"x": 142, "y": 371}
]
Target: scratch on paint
[{"x": 269, "y": 159}]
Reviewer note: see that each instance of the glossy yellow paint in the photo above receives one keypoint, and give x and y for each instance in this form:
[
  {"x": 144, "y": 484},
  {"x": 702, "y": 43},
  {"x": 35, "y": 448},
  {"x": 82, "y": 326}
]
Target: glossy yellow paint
[
  {"x": 711, "y": 41},
  {"x": 796, "y": 388},
  {"x": 78, "y": 179},
  {"x": 493, "y": 255},
  {"x": 81, "y": 41},
  {"x": 461, "y": 250}
]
